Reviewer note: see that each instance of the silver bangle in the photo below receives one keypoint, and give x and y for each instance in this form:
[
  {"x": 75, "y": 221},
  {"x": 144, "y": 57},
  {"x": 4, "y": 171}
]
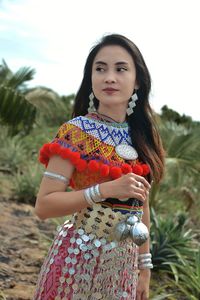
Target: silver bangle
[
  {"x": 56, "y": 176},
  {"x": 146, "y": 260},
  {"x": 95, "y": 193},
  {"x": 88, "y": 197},
  {"x": 144, "y": 255},
  {"x": 92, "y": 195},
  {"x": 98, "y": 193},
  {"x": 145, "y": 266}
]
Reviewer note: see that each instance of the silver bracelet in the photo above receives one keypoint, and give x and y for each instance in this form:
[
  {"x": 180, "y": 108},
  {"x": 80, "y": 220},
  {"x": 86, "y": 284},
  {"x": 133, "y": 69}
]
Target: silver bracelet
[
  {"x": 144, "y": 255},
  {"x": 92, "y": 195},
  {"x": 145, "y": 266},
  {"x": 87, "y": 196},
  {"x": 95, "y": 194},
  {"x": 146, "y": 260},
  {"x": 56, "y": 176}
]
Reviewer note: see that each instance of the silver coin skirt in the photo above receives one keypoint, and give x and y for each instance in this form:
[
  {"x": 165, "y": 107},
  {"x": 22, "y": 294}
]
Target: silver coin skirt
[{"x": 85, "y": 262}]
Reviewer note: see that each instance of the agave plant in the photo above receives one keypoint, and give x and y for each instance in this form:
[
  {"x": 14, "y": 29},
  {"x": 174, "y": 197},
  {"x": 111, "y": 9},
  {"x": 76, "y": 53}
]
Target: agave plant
[
  {"x": 13, "y": 152},
  {"x": 171, "y": 241},
  {"x": 187, "y": 277},
  {"x": 26, "y": 184}
]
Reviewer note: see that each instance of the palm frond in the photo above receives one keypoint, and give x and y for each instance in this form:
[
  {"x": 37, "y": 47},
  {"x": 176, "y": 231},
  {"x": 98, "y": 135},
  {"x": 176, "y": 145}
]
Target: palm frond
[
  {"x": 20, "y": 77},
  {"x": 15, "y": 110},
  {"x": 5, "y": 72}
]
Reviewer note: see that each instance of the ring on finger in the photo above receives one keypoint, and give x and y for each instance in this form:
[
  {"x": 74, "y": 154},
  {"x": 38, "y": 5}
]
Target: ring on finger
[{"x": 139, "y": 184}]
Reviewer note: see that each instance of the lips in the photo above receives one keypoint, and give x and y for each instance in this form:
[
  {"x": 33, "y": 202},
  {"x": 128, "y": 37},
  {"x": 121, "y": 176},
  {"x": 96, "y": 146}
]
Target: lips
[{"x": 109, "y": 90}]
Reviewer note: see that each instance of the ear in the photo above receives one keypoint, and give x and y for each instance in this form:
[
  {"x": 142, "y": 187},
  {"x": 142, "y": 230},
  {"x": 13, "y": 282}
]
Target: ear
[{"x": 136, "y": 87}]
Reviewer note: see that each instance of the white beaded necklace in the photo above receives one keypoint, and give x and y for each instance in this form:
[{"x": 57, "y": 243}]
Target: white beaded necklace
[{"x": 125, "y": 151}]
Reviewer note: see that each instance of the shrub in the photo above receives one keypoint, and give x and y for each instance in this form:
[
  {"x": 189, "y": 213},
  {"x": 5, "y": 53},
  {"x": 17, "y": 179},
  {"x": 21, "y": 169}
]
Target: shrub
[{"x": 26, "y": 184}]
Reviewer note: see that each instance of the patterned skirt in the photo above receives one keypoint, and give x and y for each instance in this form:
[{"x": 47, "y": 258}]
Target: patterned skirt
[{"x": 85, "y": 262}]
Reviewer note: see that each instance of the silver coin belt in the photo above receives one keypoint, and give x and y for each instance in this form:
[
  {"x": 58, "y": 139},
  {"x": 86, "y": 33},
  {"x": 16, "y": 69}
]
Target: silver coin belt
[{"x": 94, "y": 264}]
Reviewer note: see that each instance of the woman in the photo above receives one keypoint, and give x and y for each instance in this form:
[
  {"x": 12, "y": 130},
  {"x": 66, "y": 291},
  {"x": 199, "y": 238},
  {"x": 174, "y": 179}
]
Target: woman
[{"x": 108, "y": 153}]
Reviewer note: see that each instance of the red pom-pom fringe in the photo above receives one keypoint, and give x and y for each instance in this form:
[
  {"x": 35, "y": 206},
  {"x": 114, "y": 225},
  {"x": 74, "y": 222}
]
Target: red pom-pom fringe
[
  {"x": 93, "y": 166},
  {"x": 104, "y": 170},
  {"x": 137, "y": 169},
  {"x": 146, "y": 169},
  {"x": 74, "y": 157},
  {"x": 54, "y": 148},
  {"x": 65, "y": 153},
  {"x": 115, "y": 172},
  {"x": 126, "y": 168},
  {"x": 81, "y": 165}
]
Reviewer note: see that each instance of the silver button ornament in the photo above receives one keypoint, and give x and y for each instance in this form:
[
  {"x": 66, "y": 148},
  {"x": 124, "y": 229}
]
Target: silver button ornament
[
  {"x": 132, "y": 227},
  {"x": 139, "y": 233},
  {"x": 126, "y": 151},
  {"x": 131, "y": 220},
  {"x": 121, "y": 231}
]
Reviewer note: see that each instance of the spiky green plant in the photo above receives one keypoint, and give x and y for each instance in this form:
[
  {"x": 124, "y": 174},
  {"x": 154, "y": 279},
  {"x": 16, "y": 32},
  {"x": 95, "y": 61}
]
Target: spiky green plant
[
  {"x": 180, "y": 187},
  {"x": 187, "y": 276},
  {"x": 12, "y": 152},
  {"x": 26, "y": 184},
  {"x": 171, "y": 240}
]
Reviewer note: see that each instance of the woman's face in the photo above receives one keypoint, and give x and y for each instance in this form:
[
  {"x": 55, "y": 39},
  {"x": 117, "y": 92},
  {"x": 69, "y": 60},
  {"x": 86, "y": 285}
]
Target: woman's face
[{"x": 113, "y": 76}]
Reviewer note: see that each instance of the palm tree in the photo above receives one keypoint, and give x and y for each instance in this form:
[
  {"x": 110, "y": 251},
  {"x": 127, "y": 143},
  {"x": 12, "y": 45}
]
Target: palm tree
[
  {"x": 21, "y": 107},
  {"x": 15, "y": 110}
]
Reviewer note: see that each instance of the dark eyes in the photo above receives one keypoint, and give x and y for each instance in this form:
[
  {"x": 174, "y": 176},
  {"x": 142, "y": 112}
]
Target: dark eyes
[
  {"x": 118, "y": 69},
  {"x": 100, "y": 69},
  {"x": 121, "y": 69}
]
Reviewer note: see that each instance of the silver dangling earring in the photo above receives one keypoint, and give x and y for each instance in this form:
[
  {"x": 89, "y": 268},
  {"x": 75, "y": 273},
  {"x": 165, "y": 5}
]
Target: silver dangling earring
[
  {"x": 91, "y": 107},
  {"x": 132, "y": 104}
]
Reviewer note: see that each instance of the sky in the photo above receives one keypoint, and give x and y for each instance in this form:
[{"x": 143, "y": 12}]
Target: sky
[{"x": 55, "y": 37}]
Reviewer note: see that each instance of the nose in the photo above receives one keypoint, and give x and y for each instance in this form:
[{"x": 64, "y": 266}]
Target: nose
[{"x": 110, "y": 77}]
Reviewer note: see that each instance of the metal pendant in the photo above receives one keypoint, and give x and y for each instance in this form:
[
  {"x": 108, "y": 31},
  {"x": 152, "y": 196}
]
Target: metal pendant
[
  {"x": 126, "y": 152},
  {"x": 121, "y": 231},
  {"x": 131, "y": 220},
  {"x": 139, "y": 233}
]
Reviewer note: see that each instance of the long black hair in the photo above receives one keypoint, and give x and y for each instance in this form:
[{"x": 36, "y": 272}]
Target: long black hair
[{"x": 144, "y": 132}]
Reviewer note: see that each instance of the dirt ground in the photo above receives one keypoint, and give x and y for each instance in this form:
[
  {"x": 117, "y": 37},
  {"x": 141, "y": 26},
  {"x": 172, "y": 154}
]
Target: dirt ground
[{"x": 24, "y": 240}]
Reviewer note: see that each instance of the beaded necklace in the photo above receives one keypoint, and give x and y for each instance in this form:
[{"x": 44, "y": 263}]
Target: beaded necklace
[{"x": 125, "y": 151}]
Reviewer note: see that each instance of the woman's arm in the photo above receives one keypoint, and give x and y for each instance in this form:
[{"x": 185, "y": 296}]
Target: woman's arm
[{"x": 52, "y": 199}]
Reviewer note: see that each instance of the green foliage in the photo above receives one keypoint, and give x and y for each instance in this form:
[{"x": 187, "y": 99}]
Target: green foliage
[
  {"x": 15, "y": 110},
  {"x": 171, "y": 241},
  {"x": 182, "y": 168},
  {"x": 168, "y": 114},
  {"x": 187, "y": 276},
  {"x": 15, "y": 80},
  {"x": 13, "y": 153},
  {"x": 52, "y": 109},
  {"x": 26, "y": 184}
]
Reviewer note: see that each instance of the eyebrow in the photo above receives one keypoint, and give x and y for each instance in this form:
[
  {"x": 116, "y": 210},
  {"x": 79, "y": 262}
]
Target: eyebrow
[{"x": 117, "y": 63}]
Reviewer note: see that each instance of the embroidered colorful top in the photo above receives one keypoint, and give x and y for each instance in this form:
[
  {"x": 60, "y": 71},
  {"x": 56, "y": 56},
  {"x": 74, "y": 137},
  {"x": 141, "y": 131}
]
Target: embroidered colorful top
[{"x": 89, "y": 143}]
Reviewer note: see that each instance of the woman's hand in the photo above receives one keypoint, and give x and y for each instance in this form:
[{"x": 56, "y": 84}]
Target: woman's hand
[
  {"x": 142, "y": 291},
  {"x": 127, "y": 186}
]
